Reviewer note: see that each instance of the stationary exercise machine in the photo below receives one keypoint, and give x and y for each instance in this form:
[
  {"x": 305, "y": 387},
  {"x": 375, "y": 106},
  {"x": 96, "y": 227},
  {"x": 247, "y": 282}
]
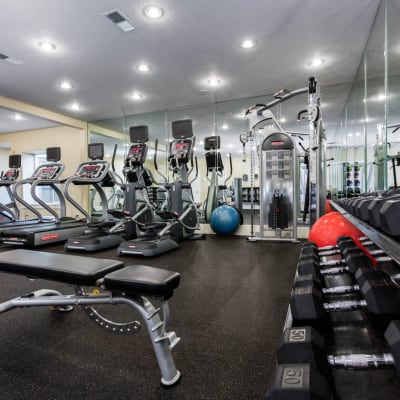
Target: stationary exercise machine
[
  {"x": 179, "y": 219},
  {"x": 226, "y": 219},
  {"x": 136, "y": 286},
  {"x": 278, "y": 170},
  {"x": 10, "y": 211},
  {"x": 138, "y": 210},
  {"x": 42, "y": 230},
  {"x": 101, "y": 232}
]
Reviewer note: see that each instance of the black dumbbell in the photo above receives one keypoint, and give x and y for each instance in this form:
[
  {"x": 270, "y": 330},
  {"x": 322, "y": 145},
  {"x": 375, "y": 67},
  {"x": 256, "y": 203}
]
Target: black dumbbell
[
  {"x": 306, "y": 345},
  {"x": 374, "y": 209},
  {"x": 388, "y": 214},
  {"x": 315, "y": 281},
  {"x": 311, "y": 271},
  {"x": 381, "y": 298},
  {"x": 352, "y": 262},
  {"x": 312, "y": 248},
  {"x": 298, "y": 382}
]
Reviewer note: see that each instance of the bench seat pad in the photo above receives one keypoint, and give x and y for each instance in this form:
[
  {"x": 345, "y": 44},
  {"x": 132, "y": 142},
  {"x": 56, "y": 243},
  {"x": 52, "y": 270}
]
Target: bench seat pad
[
  {"x": 143, "y": 280},
  {"x": 70, "y": 269}
]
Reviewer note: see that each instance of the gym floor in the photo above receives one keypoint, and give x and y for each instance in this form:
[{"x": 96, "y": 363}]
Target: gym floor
[{"x": 229, "y": 311}]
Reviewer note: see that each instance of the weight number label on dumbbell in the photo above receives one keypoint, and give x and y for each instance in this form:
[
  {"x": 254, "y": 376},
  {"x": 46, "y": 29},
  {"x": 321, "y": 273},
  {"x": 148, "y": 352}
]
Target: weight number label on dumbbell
[
  {"x": 292, "y": 377},
  {"x": 303, "y": 290},
  {"x": 297, "y": 335}
]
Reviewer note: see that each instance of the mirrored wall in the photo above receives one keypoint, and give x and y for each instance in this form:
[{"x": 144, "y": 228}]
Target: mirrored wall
[{"x": 365, "y": 155}]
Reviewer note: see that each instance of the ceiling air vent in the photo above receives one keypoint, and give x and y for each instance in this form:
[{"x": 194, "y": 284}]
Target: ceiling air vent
[
  {"x": 120, "y": 20},
  {"x": 4, "y": 57}
]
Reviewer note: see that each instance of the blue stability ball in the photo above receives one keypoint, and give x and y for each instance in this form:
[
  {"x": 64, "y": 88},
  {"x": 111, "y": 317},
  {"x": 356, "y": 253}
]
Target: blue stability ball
[{"x": 225, "y": 220}]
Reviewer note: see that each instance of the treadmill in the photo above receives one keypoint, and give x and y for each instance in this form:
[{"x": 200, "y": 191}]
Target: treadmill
[
  {"x": 99, "y": 233},
  {"x": 9, "y": 211},
  {"x": 45, "y": 175},
  {"x": 41, "y": 231}
]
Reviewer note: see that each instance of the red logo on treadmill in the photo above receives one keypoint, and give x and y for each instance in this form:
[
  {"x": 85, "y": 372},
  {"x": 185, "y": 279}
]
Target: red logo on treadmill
[
  {"x": 131, "y": 246},
  {"x": 50, "y": 236}
]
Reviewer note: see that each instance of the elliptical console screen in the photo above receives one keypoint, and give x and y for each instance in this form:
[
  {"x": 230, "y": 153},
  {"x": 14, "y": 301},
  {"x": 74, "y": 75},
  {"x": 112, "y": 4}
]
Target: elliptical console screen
[{"x": 180, "y": 149}]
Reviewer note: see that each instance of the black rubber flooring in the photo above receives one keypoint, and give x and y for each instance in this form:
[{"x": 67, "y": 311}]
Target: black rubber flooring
[{"x": 229, "y": 312}]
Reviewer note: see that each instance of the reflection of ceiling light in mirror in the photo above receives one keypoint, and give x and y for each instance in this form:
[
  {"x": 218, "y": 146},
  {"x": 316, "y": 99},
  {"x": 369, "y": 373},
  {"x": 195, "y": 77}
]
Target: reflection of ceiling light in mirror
[
  {"x": 225, "y": 126},
  {"x": 201, "y": 143},
  {"x": 107, "y": 155},
  {"x": 144, "y": 68},
  {"x": 75, "y": 106},
  {"x": 213, "y": 81},
  {"x": 65, "y": 85},
  {"x": 283, "y": 119},
  {"x": 46, "y": 45},
  {"x": 358, "y": 134},
  {"x": 349, "y": 134},
  {"x": 380, "y": 97},
  {"x": 247, "y": 44},
  {"x": 136, "y": 96},
  {"x": 241, "y": 115},
  {"x": 316, "y": 62},
  {"x": 230, "y": 145},
  {"x": 153, "y": 12},
  {"x": 17, "y": 117}
]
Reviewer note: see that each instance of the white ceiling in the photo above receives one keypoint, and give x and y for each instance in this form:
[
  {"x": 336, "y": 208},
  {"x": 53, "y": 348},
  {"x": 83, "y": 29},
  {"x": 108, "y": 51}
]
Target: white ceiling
[{"x": 194, "y": 39}]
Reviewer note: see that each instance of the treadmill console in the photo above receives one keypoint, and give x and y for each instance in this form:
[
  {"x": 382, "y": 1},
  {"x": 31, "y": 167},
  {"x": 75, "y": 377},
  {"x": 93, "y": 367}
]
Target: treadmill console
[
  {"x": 10, "y": 176},
  {"x": 48, "y": 172}
]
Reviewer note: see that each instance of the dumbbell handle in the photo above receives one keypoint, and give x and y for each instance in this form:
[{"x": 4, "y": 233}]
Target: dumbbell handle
[
  {"x": 345, "y": 305},
  {"x": 333, "y": 271},
  {"x": 332, "y": 263},
  {"x": 341, "y": 289},
  {"x": 361, "y": 361}
]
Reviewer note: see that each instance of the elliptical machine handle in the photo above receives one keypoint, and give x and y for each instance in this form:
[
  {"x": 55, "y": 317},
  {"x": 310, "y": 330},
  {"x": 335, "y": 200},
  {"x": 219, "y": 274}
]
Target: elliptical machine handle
[
  {"x": 155, "y": 162},
  {"x": 230, "y": 170},
  {"x": 197, "y": 169}
]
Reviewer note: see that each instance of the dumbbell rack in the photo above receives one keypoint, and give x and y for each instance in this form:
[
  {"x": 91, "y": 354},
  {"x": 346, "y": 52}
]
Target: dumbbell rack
[{"x": 355, "y": 332}]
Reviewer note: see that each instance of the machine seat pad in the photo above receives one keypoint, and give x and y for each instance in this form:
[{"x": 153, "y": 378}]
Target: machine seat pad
[
  {"x": 143, "y": 280},
  {"x": 70, "y": 269}
]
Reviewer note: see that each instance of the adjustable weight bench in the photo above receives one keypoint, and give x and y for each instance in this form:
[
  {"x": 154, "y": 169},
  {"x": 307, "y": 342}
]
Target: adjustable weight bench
[{"x": 132, "y": 285}]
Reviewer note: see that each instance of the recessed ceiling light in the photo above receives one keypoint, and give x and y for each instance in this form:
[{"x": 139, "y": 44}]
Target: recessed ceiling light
[
  {"x": 45, "y": 45},
  {"x": 136, "y": 96},
  {"x": 380, "y": 97},
  {"x": 153, "y": 12},
  {"x": 144, "y": 68},
  {"x": 349, "y": 134},
  {"x": 17, "y": 117},
  {"x": 283, "y": 119},
  {"x": 75, "y": 106},
  {"x": 358, "y": 133},
  {"x": 213, "y": 82},
  {"x": 316, "y": 62},
  {"x": 65, "y": 85},
  {"x": 225, "y": 126},
  {"x": 247, "y": 44}
]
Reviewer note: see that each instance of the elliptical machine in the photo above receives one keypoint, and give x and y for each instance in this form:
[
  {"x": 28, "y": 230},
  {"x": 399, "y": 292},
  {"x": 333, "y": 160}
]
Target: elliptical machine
[
  {"x": 178, "y": 220},
  {"x": 226, "y": 219}
]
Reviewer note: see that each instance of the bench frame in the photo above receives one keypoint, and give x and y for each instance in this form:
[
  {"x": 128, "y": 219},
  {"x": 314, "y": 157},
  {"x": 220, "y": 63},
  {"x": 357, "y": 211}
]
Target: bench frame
[{"x": 162, "y": 341}]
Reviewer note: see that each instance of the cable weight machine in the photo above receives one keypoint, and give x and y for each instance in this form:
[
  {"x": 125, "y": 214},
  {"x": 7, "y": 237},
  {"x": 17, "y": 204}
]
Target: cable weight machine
[{"x": 278, "y": 167}]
